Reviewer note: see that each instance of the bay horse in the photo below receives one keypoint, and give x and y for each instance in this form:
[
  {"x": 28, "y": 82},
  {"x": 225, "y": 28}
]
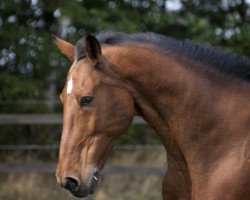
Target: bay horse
[{"x": 196, "y": 97}]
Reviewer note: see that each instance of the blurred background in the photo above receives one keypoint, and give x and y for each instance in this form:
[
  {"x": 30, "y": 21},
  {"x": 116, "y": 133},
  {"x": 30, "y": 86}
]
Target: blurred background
[{"x": 33, "y": 72}]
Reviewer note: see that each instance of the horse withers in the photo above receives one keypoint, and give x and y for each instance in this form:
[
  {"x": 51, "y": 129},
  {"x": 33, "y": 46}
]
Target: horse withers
[{"x": 194, "y": 96}]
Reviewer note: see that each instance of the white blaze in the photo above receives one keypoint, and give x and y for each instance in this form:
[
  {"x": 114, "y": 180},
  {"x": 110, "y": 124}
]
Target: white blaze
[{"x": 69, "y": 86}]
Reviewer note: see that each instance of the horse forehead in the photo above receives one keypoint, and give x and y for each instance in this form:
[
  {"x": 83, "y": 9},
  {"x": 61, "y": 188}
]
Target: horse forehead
[
  {"x": 70, "y": 86},
  {"x": 80, "y": 69},
  {"x": 70, "y": 82},
  {"x": 83, "y": 79}
]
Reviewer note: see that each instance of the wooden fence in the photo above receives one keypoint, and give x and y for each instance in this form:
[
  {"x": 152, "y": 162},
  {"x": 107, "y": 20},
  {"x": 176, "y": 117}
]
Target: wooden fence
[
  {"x": 45, "y": 119},
  {"x": 54, "y": 119},
  {"x": 108, "y": 170}
]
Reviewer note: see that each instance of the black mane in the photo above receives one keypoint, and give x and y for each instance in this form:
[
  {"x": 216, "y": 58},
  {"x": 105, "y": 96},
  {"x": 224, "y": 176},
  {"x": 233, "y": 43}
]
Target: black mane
[{"x": 232, "y": 64}]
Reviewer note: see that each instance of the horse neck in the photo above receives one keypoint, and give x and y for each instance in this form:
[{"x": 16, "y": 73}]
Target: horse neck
[
  {"x": 175, "y": 100},
  {"x": 152, "y": 84}
]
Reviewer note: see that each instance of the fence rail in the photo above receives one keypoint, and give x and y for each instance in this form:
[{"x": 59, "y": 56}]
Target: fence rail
[
  {"x": 40, "y": 119},
  {"x": 109, "y": 169},
  {"x": 56, "y": 147}
]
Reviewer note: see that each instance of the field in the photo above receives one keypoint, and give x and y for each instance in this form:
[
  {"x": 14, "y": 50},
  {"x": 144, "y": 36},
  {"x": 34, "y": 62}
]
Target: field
[{"x": 43, "y": 186}]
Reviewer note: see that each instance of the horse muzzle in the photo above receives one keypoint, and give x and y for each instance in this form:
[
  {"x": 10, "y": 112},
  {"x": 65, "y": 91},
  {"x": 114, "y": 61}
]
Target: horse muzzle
[{"x": 80, "y": 189}]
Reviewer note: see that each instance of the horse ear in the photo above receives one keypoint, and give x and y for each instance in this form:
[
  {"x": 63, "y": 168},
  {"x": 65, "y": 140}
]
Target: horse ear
[
  {"x": 93, "y": 49},
  {"x": 66, "y": 48}
]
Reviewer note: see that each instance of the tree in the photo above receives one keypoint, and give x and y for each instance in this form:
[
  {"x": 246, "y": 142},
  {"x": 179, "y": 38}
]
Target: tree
[{"x": 32, "y": 68}]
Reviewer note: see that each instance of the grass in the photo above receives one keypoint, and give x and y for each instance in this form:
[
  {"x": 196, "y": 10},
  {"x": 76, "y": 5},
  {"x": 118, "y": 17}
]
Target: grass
[
  {"x": 43, "y": 186},
  {"x": 33, "y": 186}
]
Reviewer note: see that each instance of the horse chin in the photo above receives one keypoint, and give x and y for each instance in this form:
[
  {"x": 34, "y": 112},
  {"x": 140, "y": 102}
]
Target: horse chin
[{"x": 79, "y": 194}]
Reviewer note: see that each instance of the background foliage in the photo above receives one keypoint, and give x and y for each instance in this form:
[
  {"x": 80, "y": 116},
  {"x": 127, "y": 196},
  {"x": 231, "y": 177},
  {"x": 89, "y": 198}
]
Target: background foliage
[{"x": 33, "y": 69}]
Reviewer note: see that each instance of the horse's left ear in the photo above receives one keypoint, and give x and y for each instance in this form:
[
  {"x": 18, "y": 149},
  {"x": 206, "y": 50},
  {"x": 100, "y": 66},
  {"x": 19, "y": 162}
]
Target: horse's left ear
[
  {"x": 66, "y": 48},
  {"x": 93, "y": 49}
]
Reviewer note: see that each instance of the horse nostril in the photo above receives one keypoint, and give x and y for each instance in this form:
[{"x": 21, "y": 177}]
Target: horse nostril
[{"x": 70, "y": 184}]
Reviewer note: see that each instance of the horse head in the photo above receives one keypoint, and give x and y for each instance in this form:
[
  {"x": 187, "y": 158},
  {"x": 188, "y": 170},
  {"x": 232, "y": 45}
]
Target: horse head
[{"x": 97, "y": 110}]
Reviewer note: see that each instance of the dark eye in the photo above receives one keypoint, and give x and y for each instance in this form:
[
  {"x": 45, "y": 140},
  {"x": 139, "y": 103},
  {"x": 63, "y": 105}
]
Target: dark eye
[{"x": 84, "y": 101}]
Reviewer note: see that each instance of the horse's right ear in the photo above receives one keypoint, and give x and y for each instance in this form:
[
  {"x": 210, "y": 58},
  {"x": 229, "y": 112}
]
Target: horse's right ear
[
  {"x": 93, "y": 49},
  {"x": 66, "y": 48}
]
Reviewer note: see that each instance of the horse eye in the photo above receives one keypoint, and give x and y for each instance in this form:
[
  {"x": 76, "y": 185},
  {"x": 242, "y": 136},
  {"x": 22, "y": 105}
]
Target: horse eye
[{"x": 84, "y": 101}]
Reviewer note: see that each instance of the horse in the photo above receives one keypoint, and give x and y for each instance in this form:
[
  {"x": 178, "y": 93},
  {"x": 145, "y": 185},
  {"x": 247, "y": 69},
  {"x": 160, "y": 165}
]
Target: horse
[{"x": 196, "y": 98}]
